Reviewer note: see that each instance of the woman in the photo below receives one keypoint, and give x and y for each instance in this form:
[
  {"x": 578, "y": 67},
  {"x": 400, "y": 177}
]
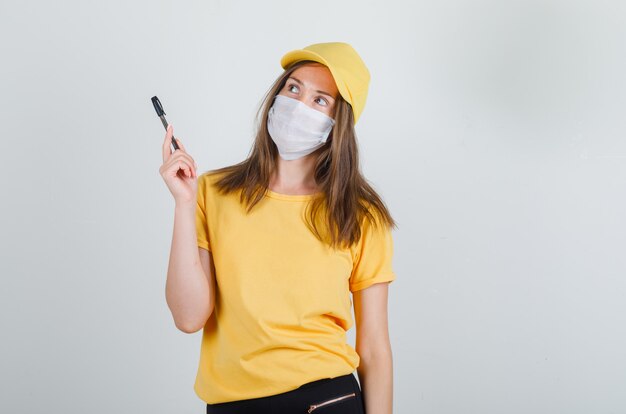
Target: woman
[{"x": 266, "y": 252}]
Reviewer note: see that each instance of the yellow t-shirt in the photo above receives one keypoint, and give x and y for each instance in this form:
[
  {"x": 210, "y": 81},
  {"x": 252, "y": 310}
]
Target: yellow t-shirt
[{"x": 283, "y": 302}]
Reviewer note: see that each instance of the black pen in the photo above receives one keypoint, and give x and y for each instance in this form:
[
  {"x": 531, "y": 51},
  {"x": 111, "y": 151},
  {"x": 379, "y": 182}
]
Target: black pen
[{"x": 161, "y": 113}]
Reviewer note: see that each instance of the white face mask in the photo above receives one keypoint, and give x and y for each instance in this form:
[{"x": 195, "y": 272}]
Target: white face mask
[{"x": 296, "y": 128}]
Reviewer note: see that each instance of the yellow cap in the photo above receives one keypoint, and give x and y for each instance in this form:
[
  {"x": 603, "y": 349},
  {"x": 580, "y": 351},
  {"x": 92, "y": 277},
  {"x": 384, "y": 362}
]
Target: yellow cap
[{"x": 350, "y": 73}]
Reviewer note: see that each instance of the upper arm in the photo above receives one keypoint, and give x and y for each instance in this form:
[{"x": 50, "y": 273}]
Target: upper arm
[
  {"x": 370, "y": 312},
  {"x": 206, "y": 260}
]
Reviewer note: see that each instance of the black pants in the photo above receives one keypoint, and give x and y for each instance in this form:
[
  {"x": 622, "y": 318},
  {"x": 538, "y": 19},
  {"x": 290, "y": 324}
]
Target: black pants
[{"x": 326, "y": 396}]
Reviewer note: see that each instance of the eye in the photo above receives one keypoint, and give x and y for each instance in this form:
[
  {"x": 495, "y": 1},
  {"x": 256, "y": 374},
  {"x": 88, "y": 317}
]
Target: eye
[
  {"x": 325, "y": 102},
  {"x": 291, "y": 86}
]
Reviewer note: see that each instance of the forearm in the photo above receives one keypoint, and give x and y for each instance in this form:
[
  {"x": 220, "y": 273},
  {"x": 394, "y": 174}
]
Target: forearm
[
  {"x": 187, "y": 287},
  {"x": 376, "y": 380}
]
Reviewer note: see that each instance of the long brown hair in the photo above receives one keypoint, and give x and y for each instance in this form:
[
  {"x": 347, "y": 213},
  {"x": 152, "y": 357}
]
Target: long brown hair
[{"x": 346, "y": 196}]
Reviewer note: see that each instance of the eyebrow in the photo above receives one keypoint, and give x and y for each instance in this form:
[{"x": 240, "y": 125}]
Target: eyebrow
[{"x": 322, "y": 92}]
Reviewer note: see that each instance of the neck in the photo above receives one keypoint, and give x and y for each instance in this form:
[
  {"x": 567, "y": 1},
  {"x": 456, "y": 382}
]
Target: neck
[{"x": 294, "y": 176}]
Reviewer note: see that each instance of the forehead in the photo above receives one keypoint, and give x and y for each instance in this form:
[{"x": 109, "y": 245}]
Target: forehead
[{"x": 316, "y": 76}]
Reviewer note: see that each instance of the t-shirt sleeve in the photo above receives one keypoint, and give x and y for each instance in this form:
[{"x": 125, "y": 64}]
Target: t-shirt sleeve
[
  {"x": 202, "y": 229},
  {"x": 372, "y": 257}
]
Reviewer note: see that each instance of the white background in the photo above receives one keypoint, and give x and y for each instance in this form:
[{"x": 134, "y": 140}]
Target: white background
[{"x": 494, "y": 130}]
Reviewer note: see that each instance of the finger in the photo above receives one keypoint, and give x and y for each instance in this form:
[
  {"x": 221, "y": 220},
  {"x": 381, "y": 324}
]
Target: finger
[
  {"x": 186, "y": 153},
  {"x": 180, "y": 144},
  {"x": 179, "y": 154},
  {"x": 167, "y": 151},
  {"x": 179, "y": 164},
  {"x": 185, "y": 171},
  {"x": 181, "y": 169}
]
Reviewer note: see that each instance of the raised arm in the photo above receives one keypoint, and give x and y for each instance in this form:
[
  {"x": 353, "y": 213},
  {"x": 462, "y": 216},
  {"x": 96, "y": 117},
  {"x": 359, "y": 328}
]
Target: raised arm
[{"x": 189, "y": 288}]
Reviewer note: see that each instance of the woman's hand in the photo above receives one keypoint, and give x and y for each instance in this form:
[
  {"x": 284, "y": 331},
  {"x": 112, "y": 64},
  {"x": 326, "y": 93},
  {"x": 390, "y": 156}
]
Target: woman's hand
[{"x": 178, "y": 170}]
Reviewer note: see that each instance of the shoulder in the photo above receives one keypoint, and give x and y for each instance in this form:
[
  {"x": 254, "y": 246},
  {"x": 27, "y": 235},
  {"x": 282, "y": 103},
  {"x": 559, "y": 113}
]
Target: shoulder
[
  {"x": 372, "y": 217},
  {"x": 207, "y": 192},
  {"x": 210, "y": 176},
  {"x": 207, "y": 180},
  {"x": 216, "y": 186}
]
